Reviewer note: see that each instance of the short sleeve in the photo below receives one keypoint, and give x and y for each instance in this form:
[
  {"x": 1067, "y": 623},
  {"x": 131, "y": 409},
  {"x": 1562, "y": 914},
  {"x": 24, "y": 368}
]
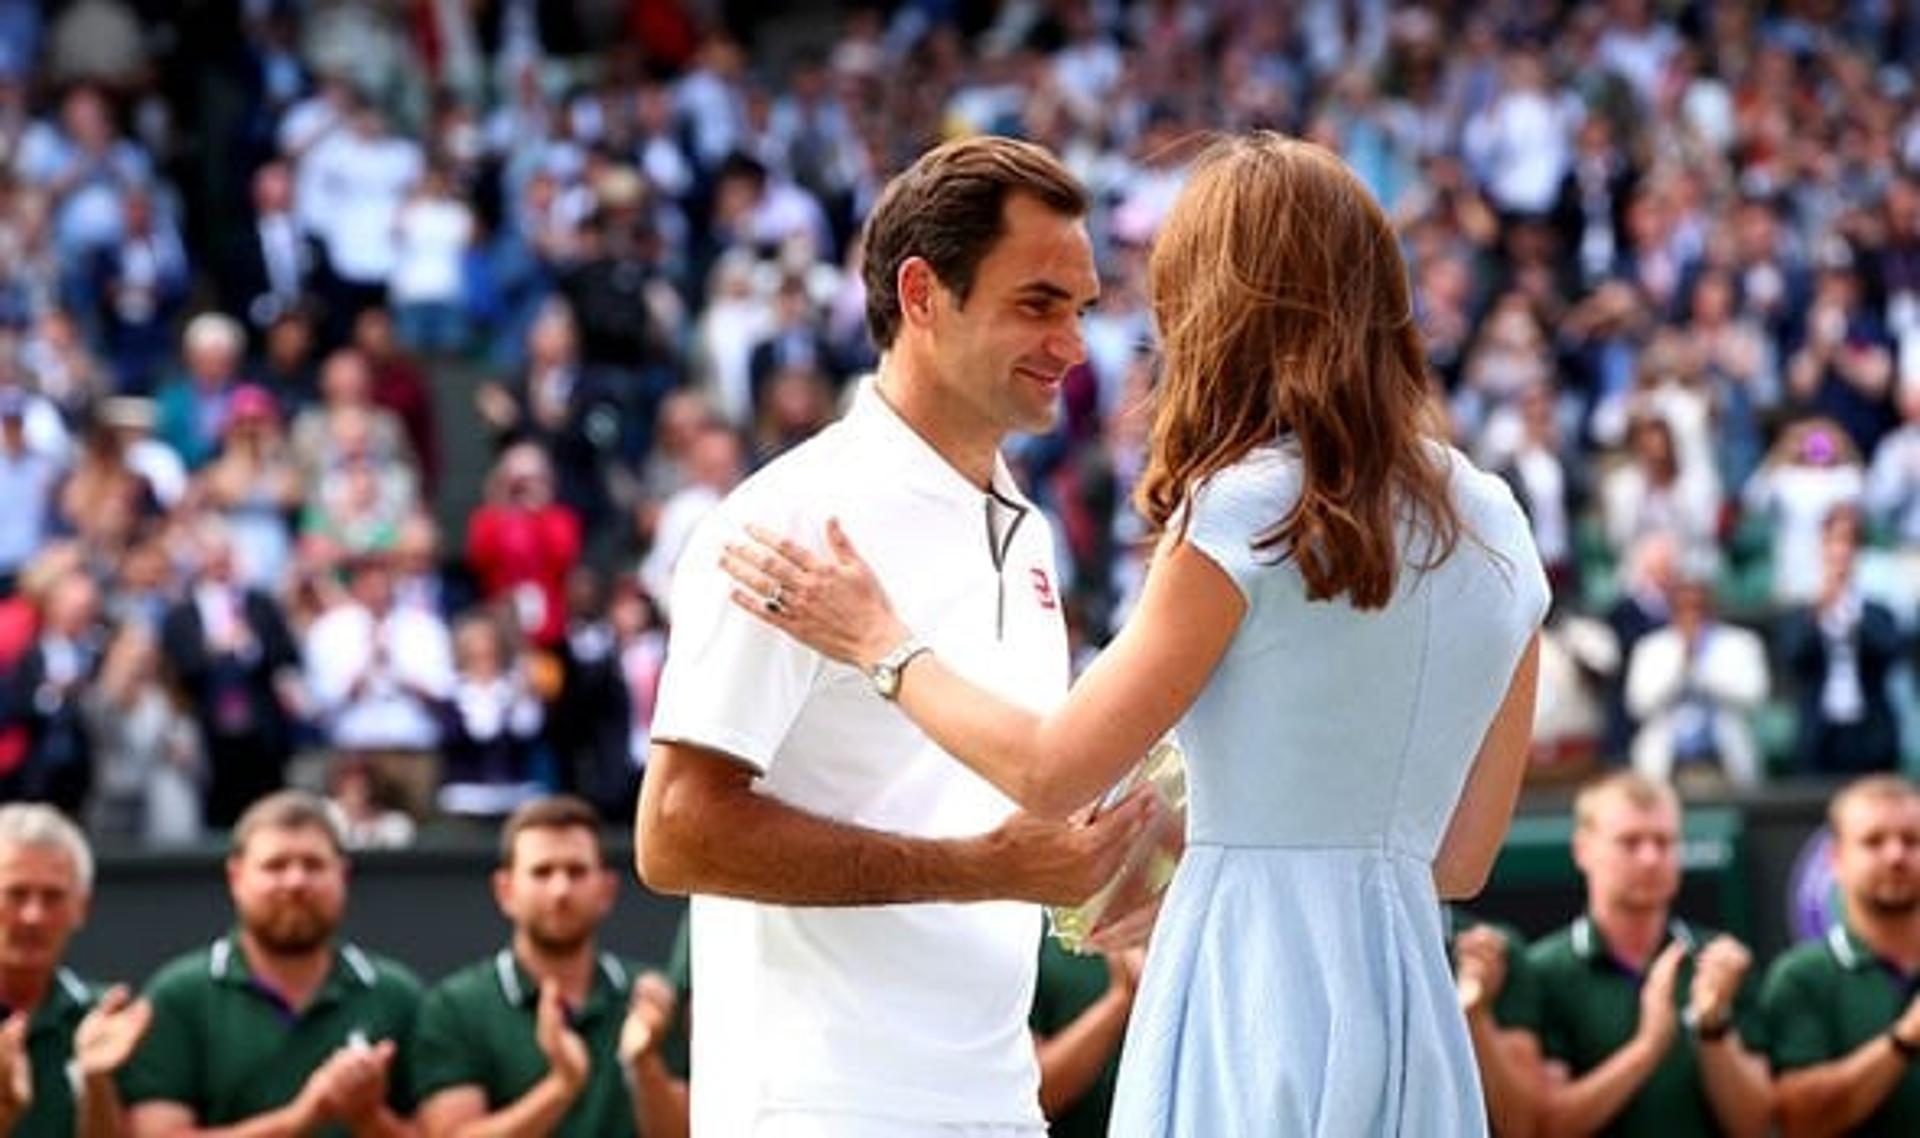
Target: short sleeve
[
  {"x": 1796, "y": 1024},
  {"x": 167, "y": 1065},
  {"x": 732, "y": 683},
  {"x": 1231, "y": 509},
  {"x": 1518, "y": 1005},
  {"x": 403, "y": 1092},
  {"x": 441, "y": 1055},
  {"x": 1549, "y": 1023},
  {"x": 1748, "y": 1016}
]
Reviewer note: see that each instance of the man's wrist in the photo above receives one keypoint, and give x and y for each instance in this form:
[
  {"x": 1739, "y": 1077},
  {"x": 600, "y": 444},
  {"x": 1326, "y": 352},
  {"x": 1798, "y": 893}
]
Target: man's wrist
[
  {"x": 1907, "y": 1049},
  {"x": 567, "y": 1084}
]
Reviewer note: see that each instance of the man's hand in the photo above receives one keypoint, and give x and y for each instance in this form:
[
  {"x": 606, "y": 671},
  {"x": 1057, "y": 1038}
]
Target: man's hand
[
  {"x": 107, "y": 1036},
  {"x": 16, "y": 1070},
  {"x": 1123, "y": 971},
  {"x": 1717, "y": 974},
  {"x": 565, "y": 1051},
  {"x": 1908, "y": 1025},
  {"x": 358, "y": 1086},
  {"x": 1659, "y": 1020},
  {"x": 1480, "y": 966},
  {"x": 1118, "y": 932},
  {"x": 349, "y": 1088},
  {"x": 1064, "y": 863},
  {"x": 649, "y": 1013}
]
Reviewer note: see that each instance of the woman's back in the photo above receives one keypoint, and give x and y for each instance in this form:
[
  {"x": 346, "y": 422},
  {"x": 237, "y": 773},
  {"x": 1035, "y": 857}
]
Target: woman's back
[
  {"x": 1330, "y": 725},
  {"x": 1302, "y": 937}
]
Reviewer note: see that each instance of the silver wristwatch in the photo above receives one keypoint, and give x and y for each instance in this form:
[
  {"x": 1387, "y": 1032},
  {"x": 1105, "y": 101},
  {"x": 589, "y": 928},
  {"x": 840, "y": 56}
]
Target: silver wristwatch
[{"x": 886, "y": 672}]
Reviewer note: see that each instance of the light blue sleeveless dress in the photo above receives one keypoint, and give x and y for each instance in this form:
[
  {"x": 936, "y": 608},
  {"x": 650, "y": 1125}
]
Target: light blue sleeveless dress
[{"x": 1297, "y": 984}]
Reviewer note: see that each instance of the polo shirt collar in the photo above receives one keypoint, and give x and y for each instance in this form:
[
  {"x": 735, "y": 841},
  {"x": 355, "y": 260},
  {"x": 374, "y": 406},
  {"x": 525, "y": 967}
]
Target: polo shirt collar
[
  {"x": 67, "y": 999},
  {"x": 1591, "y": 947},
  {"x": 351, "y": 970},
  {"x": 915, "y": 462},
  {"x": 1852, "y": 953},
  {"x": 520, "y": 990},
  {"x": 1856, "y": 955}
]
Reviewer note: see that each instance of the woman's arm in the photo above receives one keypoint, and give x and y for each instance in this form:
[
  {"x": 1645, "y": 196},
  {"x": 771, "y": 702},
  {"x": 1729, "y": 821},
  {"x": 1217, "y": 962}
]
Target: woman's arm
[{"x": 1054, "y": 764}]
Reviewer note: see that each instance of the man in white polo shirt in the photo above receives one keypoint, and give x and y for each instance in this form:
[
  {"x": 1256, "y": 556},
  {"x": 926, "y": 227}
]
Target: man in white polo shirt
[{"x": 863, "y": 919}]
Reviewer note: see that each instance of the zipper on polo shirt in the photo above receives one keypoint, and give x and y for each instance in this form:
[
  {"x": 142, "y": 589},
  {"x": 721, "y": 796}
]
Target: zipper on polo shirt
[{"x": 997, "y": 546}]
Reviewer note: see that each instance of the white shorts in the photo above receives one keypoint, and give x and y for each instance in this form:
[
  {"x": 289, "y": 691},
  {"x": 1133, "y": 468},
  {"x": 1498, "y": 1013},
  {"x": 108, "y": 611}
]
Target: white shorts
[{"x": 793, "y": 1124}]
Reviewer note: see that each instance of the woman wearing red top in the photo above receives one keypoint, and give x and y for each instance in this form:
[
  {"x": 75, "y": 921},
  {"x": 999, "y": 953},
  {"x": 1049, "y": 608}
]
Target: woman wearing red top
[{"x": 521, "y": 544}]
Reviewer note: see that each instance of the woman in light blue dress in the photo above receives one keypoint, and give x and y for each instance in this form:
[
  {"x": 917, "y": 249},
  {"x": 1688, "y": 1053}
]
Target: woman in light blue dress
[{"x": 1340, "y": 622}]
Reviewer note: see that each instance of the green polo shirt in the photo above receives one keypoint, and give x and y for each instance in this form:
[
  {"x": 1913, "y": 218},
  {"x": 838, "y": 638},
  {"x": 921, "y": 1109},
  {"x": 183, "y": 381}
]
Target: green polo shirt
[
  {"x": 49, "y": 1049},
  {"x": 1518, "y": 1005},
  {"x": 229, "y": 1048},
  {"x": 1067, "y": 985},
  {"x": 1590, "y": 1006},
  {"x": 476, "y": 1028},
  {"x": 1825, "y": 998}
]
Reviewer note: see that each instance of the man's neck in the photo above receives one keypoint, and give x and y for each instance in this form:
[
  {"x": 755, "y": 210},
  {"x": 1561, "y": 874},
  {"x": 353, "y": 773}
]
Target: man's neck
[
  {"x": 22, "y": 990},
  {"x": 296, "y": 979},
  {"x": 1631, "y": 935},
  {"x": 573, "y": 971},
  {"x": 967, "y": 448},
  {"x": 1894, "y": 938}
]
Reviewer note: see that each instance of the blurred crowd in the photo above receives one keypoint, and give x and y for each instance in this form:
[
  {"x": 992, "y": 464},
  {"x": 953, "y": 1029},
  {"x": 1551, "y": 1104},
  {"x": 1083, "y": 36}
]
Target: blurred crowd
[{"x": 285, "y": 283}]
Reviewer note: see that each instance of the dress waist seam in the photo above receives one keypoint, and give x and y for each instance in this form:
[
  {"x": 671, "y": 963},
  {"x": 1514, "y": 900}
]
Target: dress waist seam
[{"x": 1308, "y": 847}]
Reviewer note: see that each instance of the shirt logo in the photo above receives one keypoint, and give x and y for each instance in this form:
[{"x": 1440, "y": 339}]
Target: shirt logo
[{"x": 1043, "y": 588}]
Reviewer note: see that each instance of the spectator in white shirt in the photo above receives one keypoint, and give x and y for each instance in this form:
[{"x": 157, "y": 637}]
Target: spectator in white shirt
[
  {"x": 434, "y": 229},
  {"x": 377, "y": 671},
  {"x": 1693, "y": 685},
  {"x": 1521, "y": 145},
  {"x": 363, "y": 175},
  {"x": 1811, "y": 469}
]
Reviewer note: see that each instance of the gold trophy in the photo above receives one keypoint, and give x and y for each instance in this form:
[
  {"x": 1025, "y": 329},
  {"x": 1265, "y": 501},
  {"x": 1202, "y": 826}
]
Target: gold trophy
[{"x": 1150, "y": 864}]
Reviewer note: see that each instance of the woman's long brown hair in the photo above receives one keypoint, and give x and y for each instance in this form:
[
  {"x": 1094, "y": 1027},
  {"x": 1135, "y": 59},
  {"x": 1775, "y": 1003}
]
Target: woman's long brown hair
[{"x": 1284, "y": 310}]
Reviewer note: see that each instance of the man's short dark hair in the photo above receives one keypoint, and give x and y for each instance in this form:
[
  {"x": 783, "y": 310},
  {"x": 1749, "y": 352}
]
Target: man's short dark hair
[
  {"x": 949, "y": 208},
  {"x": 287, "y": 810},
  {"x": 558, "y": 812}
]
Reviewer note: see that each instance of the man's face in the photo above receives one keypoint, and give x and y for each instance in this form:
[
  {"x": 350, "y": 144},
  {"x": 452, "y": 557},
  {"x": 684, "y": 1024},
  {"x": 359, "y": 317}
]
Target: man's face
[
  {"x": 1630, "y": 855},
  {"x": 1876, "y": 855},
  {"x": 289, "y": 887},
  {"x": 41, "y": 905},
  {"x": 1003, "y": 353},
  {"x": 557, "y": 890}
]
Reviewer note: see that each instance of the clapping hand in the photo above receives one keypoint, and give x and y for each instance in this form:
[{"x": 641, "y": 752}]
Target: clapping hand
[
  {"x": 107, "y": 1036},
  {"x": 1717, "y": 974},
  {"x": 16, "y": 1070},
  {"x": 649, "y": 1013},
  {"x": 1480, "y": 966},
  {"x": 565, "y": 1051}
]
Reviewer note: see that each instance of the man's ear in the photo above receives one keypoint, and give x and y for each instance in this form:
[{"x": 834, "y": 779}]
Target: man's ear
[{"x": 917, "y": 287}]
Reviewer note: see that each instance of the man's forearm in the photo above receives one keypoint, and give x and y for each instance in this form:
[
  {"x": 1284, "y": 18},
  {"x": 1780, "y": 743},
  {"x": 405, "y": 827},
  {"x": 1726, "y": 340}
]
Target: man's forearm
[
  {"x": 746, "y": 845},
  {"x": 659, "y": 1099},
  {"x": 539, "y": 1111},
  {"x": 384, "y": 1123},
  {"x": 1587, "y": 1104},
  {"x": 1071, "y": 1061},
  {"x": 1513, "y": 1095},
  {"x": 1835, "y": 1097},
  {"x": 1738, "y": 1086},
  {"x": 101, "y": 1114}
]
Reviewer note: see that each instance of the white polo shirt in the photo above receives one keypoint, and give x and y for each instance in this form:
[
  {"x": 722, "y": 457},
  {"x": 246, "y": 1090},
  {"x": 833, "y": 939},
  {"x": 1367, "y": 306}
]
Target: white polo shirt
[{"x": 913, "y": 1013}]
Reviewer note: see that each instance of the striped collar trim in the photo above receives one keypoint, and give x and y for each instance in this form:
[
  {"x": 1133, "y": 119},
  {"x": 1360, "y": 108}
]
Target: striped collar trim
[
  {"x": 1589, "y": 945},
  {"x": 75, "y": 988},
  {"x": 517, "y": 990},
  {"x": 225, "y": 963}
]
